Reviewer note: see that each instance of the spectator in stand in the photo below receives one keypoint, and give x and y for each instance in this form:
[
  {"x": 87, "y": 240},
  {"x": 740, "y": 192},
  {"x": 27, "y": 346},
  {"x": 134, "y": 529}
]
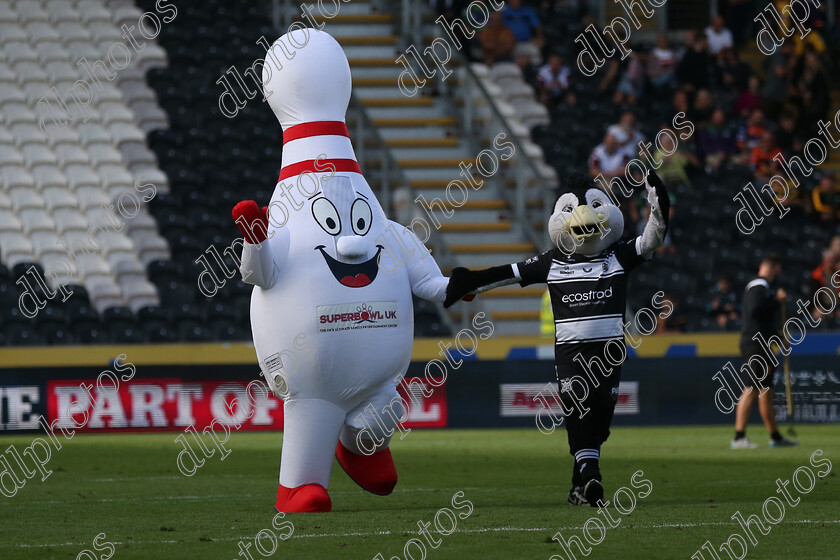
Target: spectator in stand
[
  {"x": 497, "y": 41},
  {"x": 662, "y": 63},
  {"x": 762, "y": 161},
  {"x": 529, "y": 71},
  {"x": 679, "y": 102},
  {"x": 524, "y": 23},
  {"x": 821, "y": 278},
  {"x": 749, "y": 99},
  {"x": 675, "y": 160},
  {"x": 826, "y": 198},
  {"x": 834, "y": 244},
  {"x": 718, "y": 35},
  {"x": 703, "y": 108},
  {"x": 724, "y": 304},
  {"x": 731, "y": 73},
  {"x": 777, "y": 80},
  {"x": 626, "y": 134},
  {"x": 611, "y": 77},
  {"x": 750, "y": 133},
  {"x": 676, "y": 321},
  {"x": 694, "y": 68},
  {"x": 631, "y": 86},
  {"x": 787, "y": 136},
  {"x": 607, "y": 159},
  {"x": 553, "y": 80},
  {"x": 716, "y": 141},
  {"x": 813, "y": 92}
]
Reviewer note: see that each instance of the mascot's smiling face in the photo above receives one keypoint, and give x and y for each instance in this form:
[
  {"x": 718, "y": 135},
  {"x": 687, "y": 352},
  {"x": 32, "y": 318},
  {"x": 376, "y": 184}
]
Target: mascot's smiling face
[
  {"x": 585, "y": 221},
  {"x": 345, "y": 216}
]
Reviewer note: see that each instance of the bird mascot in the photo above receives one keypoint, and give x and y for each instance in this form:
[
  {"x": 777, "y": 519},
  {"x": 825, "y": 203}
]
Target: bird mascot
[
  {"x": 586, "y": 272},
  {"x": 324, "y": 280}
]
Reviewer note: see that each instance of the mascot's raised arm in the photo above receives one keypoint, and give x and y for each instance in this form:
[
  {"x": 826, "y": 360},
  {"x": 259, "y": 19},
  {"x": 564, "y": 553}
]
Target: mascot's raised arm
[
  {"x": 331, "y": 310},
  {"x": 586, "y": 272}
]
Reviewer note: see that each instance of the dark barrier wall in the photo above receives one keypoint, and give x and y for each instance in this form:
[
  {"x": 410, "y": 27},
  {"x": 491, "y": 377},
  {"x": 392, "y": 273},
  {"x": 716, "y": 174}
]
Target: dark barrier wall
[{"x": 478, "y": 393}]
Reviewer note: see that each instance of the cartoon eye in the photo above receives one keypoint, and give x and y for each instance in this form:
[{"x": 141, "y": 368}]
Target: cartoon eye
[
  {"x": 568, "y": 208},
  {"x": 326, "y": 215},
  {"x": 597, "y": 203},
  {"x": 360, "y": 216}
]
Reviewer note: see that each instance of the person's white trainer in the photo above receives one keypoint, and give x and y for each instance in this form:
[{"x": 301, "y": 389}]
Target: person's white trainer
[{"x": 742, "y": 443}]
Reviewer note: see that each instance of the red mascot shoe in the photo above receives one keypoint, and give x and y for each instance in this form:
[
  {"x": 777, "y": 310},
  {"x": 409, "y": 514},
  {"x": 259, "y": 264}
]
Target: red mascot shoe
[
  {"x": 375, "y": 473},
  {"x": 309, "y": 498}
]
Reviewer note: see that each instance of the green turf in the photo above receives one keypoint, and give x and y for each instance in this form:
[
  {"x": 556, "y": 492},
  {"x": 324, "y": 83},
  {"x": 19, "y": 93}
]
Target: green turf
[{"x": 128, "y": 487}]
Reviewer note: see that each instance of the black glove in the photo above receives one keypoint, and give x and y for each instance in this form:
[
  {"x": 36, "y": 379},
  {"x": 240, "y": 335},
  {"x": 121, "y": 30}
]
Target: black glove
[{"x": 463, "y": 281}]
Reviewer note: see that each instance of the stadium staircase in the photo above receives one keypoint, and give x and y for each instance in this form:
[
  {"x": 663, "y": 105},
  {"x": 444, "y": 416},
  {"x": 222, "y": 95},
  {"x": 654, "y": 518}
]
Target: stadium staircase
[{"x": 428, "y": 137}]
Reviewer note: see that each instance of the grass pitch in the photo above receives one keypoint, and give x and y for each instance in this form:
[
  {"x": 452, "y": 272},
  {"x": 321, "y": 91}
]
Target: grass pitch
[{"x": 128, "y": 487}]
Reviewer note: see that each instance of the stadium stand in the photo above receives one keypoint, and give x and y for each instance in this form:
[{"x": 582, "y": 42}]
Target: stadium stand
[{"x": 153, "y": 132}]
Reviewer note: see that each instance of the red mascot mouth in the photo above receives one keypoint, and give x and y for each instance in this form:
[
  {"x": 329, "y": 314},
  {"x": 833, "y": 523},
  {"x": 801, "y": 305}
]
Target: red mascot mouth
[{"x": 353, "y": 275}]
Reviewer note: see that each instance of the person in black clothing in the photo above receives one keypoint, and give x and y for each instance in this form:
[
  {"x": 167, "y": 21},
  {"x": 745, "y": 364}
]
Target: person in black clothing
[{"x": 761, "y": 304}]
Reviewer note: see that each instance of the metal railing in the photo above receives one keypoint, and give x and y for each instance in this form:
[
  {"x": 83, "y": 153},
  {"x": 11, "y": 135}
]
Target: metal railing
[
  {"x": 372, "y": 152},
  {"x": 521, "y": 166}
]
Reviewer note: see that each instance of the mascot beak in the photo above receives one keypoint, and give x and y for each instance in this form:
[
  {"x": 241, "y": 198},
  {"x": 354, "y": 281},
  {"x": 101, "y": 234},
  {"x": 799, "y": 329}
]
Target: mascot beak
[{"x": 584, "y": 222}]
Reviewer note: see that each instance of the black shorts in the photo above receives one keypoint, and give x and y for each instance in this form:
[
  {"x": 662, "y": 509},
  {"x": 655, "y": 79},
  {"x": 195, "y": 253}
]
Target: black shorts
[{"x": 754, "y": 356}]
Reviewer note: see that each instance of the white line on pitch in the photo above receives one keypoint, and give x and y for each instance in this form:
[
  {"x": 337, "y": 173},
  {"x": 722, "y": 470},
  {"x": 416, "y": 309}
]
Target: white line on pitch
[{"x": 487, "y": 530}]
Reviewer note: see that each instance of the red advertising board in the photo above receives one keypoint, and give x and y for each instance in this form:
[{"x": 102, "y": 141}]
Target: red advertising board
[{"x": 144, "y": 405}]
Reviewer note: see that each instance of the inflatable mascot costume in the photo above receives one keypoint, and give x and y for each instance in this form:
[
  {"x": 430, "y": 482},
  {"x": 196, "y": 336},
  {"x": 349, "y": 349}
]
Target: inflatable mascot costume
[
  {"x": 586, "y": 272},
  {"x": 323, "y": 281}
]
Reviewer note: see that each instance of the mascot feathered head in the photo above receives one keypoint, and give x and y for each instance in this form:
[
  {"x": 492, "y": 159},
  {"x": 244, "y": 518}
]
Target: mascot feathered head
[{"x": 585, "y": 221}]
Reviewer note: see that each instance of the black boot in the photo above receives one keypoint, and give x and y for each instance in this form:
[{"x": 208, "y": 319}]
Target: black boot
[
  {"x": 576, "y": 497},
  {"x": 590, "y": 475}
]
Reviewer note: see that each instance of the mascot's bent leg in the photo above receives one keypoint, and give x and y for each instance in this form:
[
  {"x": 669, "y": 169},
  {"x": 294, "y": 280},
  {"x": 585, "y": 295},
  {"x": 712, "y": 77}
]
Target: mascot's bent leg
[
  {"x": 310, "y": 430},
  {"x": 363, "y": 450}
]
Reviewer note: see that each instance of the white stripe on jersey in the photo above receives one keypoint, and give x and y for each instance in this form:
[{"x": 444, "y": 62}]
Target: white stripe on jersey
[
  {"x": 758, "y": 282},
  {"x": 571, "y": 272},
  {"x": 588, "y": 329}
]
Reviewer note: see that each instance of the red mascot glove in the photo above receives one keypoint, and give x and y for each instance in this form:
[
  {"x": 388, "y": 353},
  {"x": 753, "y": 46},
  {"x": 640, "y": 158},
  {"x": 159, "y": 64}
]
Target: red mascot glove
[{"x": 251, "y": 221}]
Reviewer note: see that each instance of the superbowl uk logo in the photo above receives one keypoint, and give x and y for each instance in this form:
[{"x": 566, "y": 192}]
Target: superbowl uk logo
[{"x": 353, "y": 316}]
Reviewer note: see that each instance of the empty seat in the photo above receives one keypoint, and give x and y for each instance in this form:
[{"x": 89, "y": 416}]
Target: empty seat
[
  {"x": 104, "y": 294},
  {"x": 62, "y": 10},
  {"x": 28, "y": 133},
  {"x": 79, "y": 176},
  {"x": 59, "y": 197},
  {"x": 128, "y": 270},
  {"x": 15, "y": 46},
  {"x": 14, "y": 113},
  {"x": 94, "y": 14},
  {"x": 25, "y": 197},
  {"x": 47, "y": 176},
  {"x": 68, "y": 154},
  {"x": 91, "y": 197},
  {"x": 40, "y": 31},
  {"x": 102, "y": 154},
  {"x": 30, "y": 10},
  {"x": 15, "y": 175},
  {"x": 37, "y": 154},
  {"x": 15, "y": 248},
  {"x": 140, "y": 294},
  {"x": 92, "y": 133},
  {"x": 9, "y": 221},
  {"x": 69, "y": 219},
  {"x": 36, "y": 219}
]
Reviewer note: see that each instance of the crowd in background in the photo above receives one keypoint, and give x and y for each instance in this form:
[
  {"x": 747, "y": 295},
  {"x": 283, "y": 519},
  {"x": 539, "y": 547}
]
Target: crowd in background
[{"x": 744, "y": 116}]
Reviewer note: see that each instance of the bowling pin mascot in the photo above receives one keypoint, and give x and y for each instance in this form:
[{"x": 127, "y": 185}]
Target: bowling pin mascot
[
  {"x": 586, "y": 272},
  {"x": 331, "y": 307}
]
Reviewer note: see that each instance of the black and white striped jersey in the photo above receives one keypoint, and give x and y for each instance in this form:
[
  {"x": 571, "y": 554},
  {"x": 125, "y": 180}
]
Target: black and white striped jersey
[{"x": 588, "y": 293}]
